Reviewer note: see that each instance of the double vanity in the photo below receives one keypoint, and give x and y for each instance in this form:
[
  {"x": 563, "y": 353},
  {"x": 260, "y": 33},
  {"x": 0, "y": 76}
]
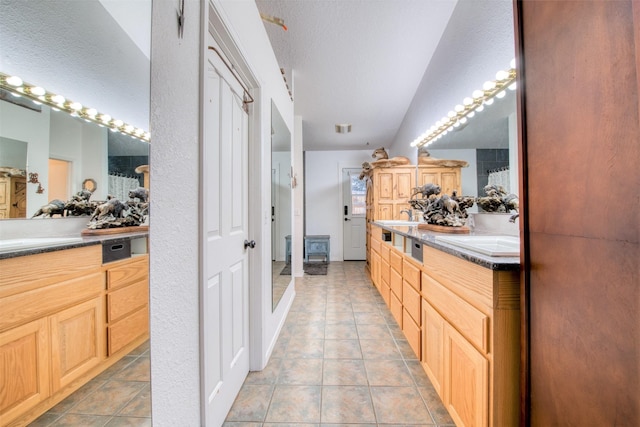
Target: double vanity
[
  {"x": 70, "y": 307},
  {"x": 457, "y": 300}
]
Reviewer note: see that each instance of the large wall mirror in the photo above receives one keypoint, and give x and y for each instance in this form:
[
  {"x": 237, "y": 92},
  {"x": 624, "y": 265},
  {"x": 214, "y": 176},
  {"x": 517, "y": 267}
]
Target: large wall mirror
[
  {"x": 95, "y": 53},
  {"x": 280, "y": 205},
  {"x": 488, "y": 142}
]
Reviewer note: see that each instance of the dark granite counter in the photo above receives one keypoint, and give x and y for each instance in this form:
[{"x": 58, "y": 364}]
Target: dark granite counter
[
  {"x": 429, "y": 238},
  {"x": 50, "y": 244}
]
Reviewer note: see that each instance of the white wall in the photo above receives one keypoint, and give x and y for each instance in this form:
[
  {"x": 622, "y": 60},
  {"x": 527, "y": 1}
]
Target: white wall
[
  {"x": 477, "y": 42},
  {"x": 174, "y": 270},
  {"x": 323, "y": 189}
]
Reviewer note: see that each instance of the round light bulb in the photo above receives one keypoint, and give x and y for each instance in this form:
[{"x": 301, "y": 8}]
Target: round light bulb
[
  {"x": 467, "y": 101},
  {"x": 502, "y": 75},
  {"x": 489, "y": 85},
  {"x": 75, "y": 106},
  {"x": 471, "y": 114},
  {"x": 456, "y": 124},
  {"x": 105, "y": 118},
  {"x": 451, "y": 114},
  {"x": 14, "y": 81},
  {"x": 463, "y": 120},
  {"x": 477, "y": 94},
  {"x": 480, "y": 108},
  {"x": 459, "y": 108},
  {"x": 129, "y": 128},
  {"x": 512, "y": 86},
  {"x": 489, "y": 101},
  {"x": 501, "y": 94},
  {"x": 91, "y": 112},
  {"x": 37, "y": 91},
  {"x": 147, "y": 135},
  {"x": 58, "y": 99}
]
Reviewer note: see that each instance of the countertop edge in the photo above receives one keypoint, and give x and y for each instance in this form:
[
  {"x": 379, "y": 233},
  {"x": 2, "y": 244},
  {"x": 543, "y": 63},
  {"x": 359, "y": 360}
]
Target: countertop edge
[{"x": 428, "y": 238}]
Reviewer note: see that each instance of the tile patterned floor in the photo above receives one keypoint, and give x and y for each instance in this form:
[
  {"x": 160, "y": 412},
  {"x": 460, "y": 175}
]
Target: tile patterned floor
[
  {"x": 340, "y": 359},
  {"x": 118, "y": 397}
]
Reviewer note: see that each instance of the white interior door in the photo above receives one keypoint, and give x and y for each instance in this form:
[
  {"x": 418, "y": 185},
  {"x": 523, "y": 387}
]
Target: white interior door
[
  {"x": 225, "y": 301},
  {"x": 354, "y": 209}
]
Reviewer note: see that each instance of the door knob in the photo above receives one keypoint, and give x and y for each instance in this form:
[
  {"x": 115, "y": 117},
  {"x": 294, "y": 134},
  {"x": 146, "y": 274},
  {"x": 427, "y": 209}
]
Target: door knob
[
  {"x": 347, "y": 219},
  {"x": 249, "y": 244}
]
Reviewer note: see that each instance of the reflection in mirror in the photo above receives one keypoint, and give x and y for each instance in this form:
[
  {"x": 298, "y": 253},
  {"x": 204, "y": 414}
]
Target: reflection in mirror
[
  {"x": 280, "y": 205},
  {"x": 66, "y": 151},
  {"x": 488, "y": 142}
]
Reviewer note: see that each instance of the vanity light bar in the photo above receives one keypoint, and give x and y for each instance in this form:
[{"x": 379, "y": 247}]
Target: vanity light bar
[
  {"x": 470, "y": 105},
  {"x": 57, "y": 102}
]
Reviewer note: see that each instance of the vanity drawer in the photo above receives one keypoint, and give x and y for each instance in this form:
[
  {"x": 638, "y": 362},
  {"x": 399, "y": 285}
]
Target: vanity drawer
[
  {"x": 375, "y": 244},
  {"x": 471, "y": 323},
  {"x": 384, "y": 252},
  {"x": 395, "y": 260},
  {"x": 396, "y": 309},
  {"x": 412, "y": 332},
  {"x": 396, "y": 283},
  {"x": 127, "y": 330},
  {"x": 130, "y": 271},
  {"x": 411, "y": 301},
  {"x": 385, "y": 292},
  {"x": 384, "y": 272},
  {"x": 411, "y": 273},
  {"x": 126, "y": 300}
]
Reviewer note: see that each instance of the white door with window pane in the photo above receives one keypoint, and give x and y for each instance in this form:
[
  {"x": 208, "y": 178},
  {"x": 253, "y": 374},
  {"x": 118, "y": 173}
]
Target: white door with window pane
[{"x": 354, "y": 209}]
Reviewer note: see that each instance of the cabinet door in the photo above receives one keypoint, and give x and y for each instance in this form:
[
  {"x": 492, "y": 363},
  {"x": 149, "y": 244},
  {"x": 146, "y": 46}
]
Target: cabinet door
[
  {"x": 403, "y": 184},
  {"x": 384, "y": 186},
  {"x": 24, "y": 368},
  {"x": 429, "y": 177},
  {"x": 450, "y": 181},
  {"x": 433, "y": 345},
  {"x": 466, "y": 381},
  {"x": 375, "y": 269},
  {"x": 77, "y": 341}
]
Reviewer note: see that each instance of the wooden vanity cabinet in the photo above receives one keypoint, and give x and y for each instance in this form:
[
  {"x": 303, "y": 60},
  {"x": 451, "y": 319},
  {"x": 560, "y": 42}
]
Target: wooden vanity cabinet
[
  {"x": 127, "y": 302},
  {"x": 470, "y": 339},
  {"x": 51, "y": 326}
]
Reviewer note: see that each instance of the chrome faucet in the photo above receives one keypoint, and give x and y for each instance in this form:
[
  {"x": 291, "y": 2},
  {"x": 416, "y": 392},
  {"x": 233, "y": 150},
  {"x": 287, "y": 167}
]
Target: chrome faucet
[{"x": 408, "y": 212}]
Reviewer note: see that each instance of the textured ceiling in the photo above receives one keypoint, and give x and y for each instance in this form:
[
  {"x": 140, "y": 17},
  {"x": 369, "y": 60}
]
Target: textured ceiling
[{"x": 354, "y": 61}]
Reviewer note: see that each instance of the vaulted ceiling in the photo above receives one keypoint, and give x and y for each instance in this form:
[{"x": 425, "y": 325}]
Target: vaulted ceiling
[{"x": 354, "y": 61}]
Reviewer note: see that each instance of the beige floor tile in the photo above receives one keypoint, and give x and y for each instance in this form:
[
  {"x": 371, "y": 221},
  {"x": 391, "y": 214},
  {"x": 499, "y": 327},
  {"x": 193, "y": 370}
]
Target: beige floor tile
[
  {"x": 373, "y": 332},
  {"x": 295, "y": 404},
  {"x": 75, "y": 420},
  {"x": 129, "y": 422},
  {"x": 340, "y": 318},
  {"x": 140, "y": 405},
  {"x": 435, "y": 405},
  {"x": 268, "y": 375},
  {"x": 342, "y": 349},
  {"x": 344, "y": 372},
  {"x": 251, "y": 404},
  {"x": 399, "y": 405},
  {"x": 369, "y": 318},
  {"x": 379, "y": 349},
  {"x": 309, "y": 330},
  {"x": 388, "y": 373},
  {"x": 340, "y": 332},
  {"x": 299, "y": 348},
  {"x": 347, "y": 404},
  {"x": 138, "y": 370},
  {"x": 339, "y": 307},
  {"x": 109, "y": 398},
  {"x": 301, "y": 372}
]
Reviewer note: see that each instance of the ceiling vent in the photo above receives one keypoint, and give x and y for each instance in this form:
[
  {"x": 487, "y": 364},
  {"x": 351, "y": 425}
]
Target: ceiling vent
[{"x": 343, "y": 128}]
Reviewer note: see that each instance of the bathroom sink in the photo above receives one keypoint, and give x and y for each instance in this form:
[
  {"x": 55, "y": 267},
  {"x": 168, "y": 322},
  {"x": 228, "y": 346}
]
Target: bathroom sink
[
  {"x": 488, "y": 245},
  {"x": 392, "y": 222},
  {"x": 35, "y": 242}
]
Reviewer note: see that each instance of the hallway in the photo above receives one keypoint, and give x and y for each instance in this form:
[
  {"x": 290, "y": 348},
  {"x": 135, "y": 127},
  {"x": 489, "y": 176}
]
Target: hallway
[{"x": 340, "y": 359}]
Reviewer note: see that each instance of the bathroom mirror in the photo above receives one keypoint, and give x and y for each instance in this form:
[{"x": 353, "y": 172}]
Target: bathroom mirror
[
  {"x": 488, "y": 142},
  {"x": 95, "y": 52},
  {"x": 280, "y": 206}
]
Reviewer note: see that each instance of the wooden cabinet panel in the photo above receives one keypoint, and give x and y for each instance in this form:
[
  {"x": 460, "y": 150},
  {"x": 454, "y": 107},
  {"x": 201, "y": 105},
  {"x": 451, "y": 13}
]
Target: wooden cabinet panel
[
  {"x": 77, "y": 341},
  {"x": 385, "y": 248},
  {"x": 375, "y": 245},
  {"x": 125, "y": 300},
  {"x": 395, "y": 260},
  {"x": 466, "y": 382},
  {"x": 403, "y": 184},
  {"x": 411, "y": 274},
  {"x": 411, "y": 332},
  {"x": 128, "y": 271},
  {"x": 384, "y": 186},
  {"x": 375, "y": 268},
  {"x": 128, "y": 329},
  {"x": 385, "y": 211},
  {"x": 396, "y": 283},
  {"x": 473, "y": 324},
  {"x": 396, "y": 309},
  {"x": 411, "y": 301},
  {"x": 449, "y": 182},
  {"x": 384, "y": 271},
  {"x": 432, "y": 358},
  {"x": 24, "y": 368},
  {"x": 385, "y": 292}
]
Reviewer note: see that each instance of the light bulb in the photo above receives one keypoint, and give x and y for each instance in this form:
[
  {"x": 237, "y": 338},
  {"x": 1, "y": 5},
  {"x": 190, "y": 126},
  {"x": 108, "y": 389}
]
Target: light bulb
[
  {"x": 512, "y": 86},
  {"x": 463, "y": 120},
  {"x": 502, "y": 75},
  {"x": 147, "y": 135},
  {"x": 58, "y": 99},
  {"x": 451, "y": 114},
  {"x": 75, "y": 106},
  {"x": 489, "y": 85},
  {"x": 91, "y": 112},
  {"x": 480, "y": 108},
  {"x": 438, "y": 123},
  {"x": 459, "y": 108},
  {"x": 128, "y": 128},
  {"x": 501, "y": 94},
  {"x": 105, "y": 118},
  {"x": 467, "y": 101},
  {"x": 456, "y": 124},
  {"x": 512, "y": 64},
  {"x": 477, "y": 94},
  {"x": 37, "y": 91},
  {"x": 489, "y": 101},
  {"x": 471, "y": 114},
  {"x": 118, "y": 123},
  {"x": 14, "y": 81}
]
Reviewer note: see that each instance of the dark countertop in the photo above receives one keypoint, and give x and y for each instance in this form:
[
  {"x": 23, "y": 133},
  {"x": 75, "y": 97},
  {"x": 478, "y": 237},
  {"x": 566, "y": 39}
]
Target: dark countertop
[
  {"x": 429, "y": 238},
  {"x": 83, "y": 241}
]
